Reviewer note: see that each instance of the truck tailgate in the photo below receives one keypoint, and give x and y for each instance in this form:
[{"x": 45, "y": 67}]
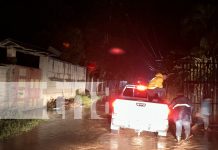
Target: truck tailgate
[{"x": 137, "y": 113}]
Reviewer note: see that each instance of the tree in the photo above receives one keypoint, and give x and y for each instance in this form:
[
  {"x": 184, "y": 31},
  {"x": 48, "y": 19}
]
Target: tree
[{"x": 201, "y": 29}]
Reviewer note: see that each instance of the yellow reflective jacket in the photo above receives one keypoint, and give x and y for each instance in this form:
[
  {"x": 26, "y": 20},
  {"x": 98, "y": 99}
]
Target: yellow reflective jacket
[{"x": 156, "y": 82}]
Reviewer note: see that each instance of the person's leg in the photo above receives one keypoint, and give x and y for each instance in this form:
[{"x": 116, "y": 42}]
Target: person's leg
[
  {"x": 161, "y": 92},
  {"x": 178, "y": 130},
  {"x": 206, "y": 121},
  {"x": 187, "y": 127},
  {"x": 151, "y": 94}
]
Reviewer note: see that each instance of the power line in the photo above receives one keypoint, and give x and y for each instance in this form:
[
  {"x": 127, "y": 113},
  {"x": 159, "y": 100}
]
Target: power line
[
  {"x": 157, "y": 42},
  {"x": 151, "y": 47},
  {"x": 149, "y": 58}
]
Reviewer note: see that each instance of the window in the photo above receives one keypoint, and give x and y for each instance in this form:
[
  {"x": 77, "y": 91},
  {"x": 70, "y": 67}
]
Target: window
[
  {"x": 27, "y": 60},
  {"x": 132, "y": 92},
  {"x": 142, "y": 94},
  {"x": 3, "y": 55},
  {"x": 128, "y": 92}
]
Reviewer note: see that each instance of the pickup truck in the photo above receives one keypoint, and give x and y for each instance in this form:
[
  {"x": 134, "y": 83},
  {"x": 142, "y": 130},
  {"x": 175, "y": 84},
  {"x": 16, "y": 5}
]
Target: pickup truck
[{"x": 133, "y": 109}]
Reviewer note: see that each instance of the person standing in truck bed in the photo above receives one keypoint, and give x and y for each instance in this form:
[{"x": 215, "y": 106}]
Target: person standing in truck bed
[{"x": 155, "y": 86}]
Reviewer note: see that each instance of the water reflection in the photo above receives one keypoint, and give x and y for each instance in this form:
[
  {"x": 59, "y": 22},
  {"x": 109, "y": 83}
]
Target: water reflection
[
  {"x": 73, "y": 133},
  {"x": 138, "y": 141},
  {"x": 161, "y": 143},
  {"x": 113, "y": 143}
]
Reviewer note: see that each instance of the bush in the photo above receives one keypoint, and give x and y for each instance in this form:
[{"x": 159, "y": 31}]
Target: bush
[
  {"x": 86, "y": 101},
  {"x": 83, "y": 98},
  {"x": 12, "y": 127}
]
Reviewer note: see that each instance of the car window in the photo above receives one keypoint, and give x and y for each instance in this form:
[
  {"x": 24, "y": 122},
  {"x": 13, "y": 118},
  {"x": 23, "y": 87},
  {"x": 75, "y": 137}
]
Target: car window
[
  {"x": 128, "y": 92},
  {"x": 132, "y": 92},
  {"x": 141, "y": 94}
]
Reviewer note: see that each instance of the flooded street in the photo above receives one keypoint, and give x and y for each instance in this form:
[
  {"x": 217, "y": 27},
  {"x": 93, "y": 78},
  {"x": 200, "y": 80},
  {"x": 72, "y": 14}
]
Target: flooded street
[{"x": 86, "y": 134}]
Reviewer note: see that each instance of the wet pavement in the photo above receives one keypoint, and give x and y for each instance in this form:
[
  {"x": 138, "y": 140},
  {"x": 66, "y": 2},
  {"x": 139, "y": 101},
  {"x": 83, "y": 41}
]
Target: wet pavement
[{"x": 90, "y": 134}]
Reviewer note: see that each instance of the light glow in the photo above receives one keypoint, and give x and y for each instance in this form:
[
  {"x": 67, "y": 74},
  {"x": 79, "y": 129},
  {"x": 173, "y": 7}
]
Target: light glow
[
  {"x": 113, "y": 103},
  {"x": 141, "y": 87},
  {"x": 66, "y": 44},
  {"x": 117, "y": 51}
]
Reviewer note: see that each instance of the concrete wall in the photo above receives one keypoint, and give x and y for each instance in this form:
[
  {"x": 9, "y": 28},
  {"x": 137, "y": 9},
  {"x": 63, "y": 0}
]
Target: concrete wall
[
  {"x": 62, "y": 78},
  {"x": 20, "y": 87},
  {"x": 31, "y": 87},
  {"x": 3, "y": 87},
  {"x": 3, "y": 73}
]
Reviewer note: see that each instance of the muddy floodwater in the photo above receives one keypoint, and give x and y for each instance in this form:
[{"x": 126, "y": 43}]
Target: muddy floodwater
[{"x": 91, "y": 134}]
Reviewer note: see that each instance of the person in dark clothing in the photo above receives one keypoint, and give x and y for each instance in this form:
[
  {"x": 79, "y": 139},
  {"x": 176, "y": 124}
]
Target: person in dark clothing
[{"x": 182, "y": 110}]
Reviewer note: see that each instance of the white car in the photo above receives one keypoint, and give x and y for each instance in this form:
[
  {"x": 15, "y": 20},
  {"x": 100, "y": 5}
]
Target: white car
[{"x": 134, "y": 110}]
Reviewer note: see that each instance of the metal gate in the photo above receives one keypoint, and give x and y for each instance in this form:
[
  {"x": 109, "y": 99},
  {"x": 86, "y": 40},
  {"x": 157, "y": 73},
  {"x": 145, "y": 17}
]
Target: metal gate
[{"x": 200, "y": 78}]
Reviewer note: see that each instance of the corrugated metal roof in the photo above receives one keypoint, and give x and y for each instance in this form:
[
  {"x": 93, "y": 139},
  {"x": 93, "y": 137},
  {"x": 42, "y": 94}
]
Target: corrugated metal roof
[{"x": 26, "y": 48}]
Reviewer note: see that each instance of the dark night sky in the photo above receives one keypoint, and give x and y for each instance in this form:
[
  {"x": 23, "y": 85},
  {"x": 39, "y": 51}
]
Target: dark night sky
[{"x": 143, "y": 29}]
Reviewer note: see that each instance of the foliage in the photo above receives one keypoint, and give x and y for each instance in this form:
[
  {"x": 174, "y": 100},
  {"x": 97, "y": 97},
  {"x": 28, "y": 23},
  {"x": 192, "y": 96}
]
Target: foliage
[
  {"x": 201, "y": 29},
  {"x": 84, "y": 98},
  {"x": 12, "y": 127},
  {"x": 51, "y": 104},
  {"x": 86, "y": 101}
]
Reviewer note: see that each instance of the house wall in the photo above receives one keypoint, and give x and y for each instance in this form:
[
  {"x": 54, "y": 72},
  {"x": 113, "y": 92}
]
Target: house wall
[
  {"x": 3, "y": 89},
  {"x": 20, "y": 87},
  {"x": 29, "y": 87},
  {"x": 62, "y": 78},
  {"x": 3, "y": 72}
]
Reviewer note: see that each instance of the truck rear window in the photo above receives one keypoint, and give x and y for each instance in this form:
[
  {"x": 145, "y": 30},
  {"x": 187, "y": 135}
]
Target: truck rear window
[
  {"x": 132, "y": 92},
  {"x": 128, "y": 92}
]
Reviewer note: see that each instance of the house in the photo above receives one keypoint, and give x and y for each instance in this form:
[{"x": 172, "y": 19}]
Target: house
[{"x": 30, "y": 76}]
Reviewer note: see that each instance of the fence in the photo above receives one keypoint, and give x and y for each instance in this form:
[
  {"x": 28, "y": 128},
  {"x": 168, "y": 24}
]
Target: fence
[{"x": 200, "y": 79}]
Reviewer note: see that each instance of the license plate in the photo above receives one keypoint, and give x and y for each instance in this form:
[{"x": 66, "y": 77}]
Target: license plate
[{"x": 141, "y": 104}]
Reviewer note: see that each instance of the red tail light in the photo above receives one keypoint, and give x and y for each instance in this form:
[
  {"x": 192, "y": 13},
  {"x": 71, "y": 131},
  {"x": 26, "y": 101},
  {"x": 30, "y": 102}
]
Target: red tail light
[
  {"x": 113, "y": 103},
  {"x": 168, "y": 111},
  {"x": 115, "y": 106}
]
